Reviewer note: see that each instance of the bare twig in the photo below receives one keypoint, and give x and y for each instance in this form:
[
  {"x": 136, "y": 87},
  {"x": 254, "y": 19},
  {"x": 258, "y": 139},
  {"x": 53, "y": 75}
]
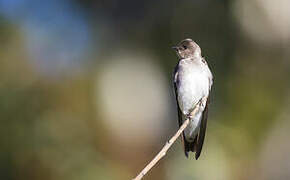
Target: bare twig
[{"x": 166, "y": 146}]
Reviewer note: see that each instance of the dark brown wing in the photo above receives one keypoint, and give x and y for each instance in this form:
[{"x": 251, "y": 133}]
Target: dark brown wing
[
  {"x": 178, "y": 109},
  {"x": 184, "y": 142},
  {"x": 176, "y": 95},
  {"x": 202, "y": 130}
]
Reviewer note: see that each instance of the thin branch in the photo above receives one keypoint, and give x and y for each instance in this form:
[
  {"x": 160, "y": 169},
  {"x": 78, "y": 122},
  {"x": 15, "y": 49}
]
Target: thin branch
[{"x": 166, "y": 146}]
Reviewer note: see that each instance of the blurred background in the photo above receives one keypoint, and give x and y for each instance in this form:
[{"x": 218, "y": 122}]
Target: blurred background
[{"x": 86, "y": 90}]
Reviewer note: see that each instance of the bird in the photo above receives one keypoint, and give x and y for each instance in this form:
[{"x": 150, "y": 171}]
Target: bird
[{"x": 192, "y": 81}]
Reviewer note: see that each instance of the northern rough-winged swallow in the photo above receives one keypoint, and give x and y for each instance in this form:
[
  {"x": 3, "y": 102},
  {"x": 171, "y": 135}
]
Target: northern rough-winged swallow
[{"x": 192, "y": 83}]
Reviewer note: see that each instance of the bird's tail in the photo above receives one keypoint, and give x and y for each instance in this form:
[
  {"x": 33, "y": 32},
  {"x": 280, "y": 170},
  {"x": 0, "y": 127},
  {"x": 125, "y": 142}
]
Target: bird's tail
[{"x": 189, "y": 146}]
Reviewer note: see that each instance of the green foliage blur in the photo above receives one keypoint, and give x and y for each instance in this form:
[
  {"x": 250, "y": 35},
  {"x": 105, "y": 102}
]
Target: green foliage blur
[{"x": 86, "y": 91}]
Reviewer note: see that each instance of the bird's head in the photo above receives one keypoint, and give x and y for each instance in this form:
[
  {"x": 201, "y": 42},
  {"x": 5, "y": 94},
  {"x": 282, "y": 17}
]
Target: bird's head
[{"x": 187, "y": 48}]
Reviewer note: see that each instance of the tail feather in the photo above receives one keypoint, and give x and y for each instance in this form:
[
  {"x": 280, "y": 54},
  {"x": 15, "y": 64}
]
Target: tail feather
[{"x": 189, "y": 146}]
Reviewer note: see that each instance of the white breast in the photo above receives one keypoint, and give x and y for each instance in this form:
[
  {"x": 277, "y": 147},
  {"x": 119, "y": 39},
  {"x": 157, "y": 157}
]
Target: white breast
[{"x": 193, "y": 84}]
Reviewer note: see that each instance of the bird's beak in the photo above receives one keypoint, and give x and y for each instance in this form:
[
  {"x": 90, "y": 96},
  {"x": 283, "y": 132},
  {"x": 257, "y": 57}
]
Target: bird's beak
[{"x": 175, "y": 48}]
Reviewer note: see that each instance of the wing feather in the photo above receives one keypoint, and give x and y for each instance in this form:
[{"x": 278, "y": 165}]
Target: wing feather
[
  {"x": 202, "y": 130},
  {"x": 203, "y": 124},
  {"x": 175, "y": 81}
]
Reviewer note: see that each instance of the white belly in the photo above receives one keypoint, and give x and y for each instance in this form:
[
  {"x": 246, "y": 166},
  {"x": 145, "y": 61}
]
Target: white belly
[{"x": 193, "y": 86}]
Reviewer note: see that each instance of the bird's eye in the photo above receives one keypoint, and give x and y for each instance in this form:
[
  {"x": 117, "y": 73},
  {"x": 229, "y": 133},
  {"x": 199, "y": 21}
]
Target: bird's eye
[{"x": 185, "y": 47}]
